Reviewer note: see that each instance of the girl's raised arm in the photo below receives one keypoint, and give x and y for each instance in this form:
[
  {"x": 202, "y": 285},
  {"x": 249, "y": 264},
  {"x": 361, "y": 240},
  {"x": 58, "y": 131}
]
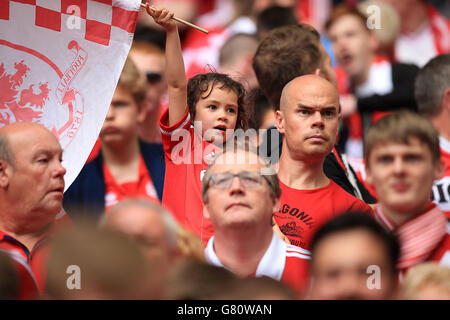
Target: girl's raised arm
[{"x": 175, "y": 73}]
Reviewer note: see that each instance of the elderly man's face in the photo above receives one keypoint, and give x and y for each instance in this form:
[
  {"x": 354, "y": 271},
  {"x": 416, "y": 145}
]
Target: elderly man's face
[
  {"x": 37, "y": 181},
  {"x": 239, "y": 206}
]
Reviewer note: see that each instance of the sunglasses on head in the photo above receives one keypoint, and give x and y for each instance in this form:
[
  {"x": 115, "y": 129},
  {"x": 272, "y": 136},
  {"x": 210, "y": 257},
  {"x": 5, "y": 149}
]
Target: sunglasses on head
[{"x": 153, "y": 77}]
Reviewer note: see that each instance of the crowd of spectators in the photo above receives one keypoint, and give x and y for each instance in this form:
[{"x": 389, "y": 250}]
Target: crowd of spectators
[{"x": 299, "y": 150}]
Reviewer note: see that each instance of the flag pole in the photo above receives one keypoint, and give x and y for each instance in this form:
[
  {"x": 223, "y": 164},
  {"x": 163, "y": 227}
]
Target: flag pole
[{"x": 143, "y": 5}]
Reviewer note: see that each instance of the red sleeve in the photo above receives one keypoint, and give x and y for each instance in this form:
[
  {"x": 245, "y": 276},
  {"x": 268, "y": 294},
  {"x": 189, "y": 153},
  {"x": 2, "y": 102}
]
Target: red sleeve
[
  {"x": 28, "y": 288},
  {"x": 297, "y": 276},
  {"x": 178, "y": 135}
]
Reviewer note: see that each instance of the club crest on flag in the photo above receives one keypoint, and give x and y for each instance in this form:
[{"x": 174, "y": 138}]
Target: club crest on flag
[{"x": 24, "y": 97}]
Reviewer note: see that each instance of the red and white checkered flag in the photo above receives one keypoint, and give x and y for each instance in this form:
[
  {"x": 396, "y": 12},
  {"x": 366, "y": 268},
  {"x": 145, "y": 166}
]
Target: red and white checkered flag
[{"x": 60, "y": 61}]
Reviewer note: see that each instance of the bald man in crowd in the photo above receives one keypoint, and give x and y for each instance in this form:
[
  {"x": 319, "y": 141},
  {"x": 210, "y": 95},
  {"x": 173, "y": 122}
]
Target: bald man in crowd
[
  {"x": 31, "y": 192},
  {"x": 309, "y": 120},
  {"x": 286, "y": 53}
]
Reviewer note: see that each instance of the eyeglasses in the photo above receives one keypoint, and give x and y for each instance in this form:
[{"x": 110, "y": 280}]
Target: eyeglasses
[
  {"x": 248, "y": 179},
  {"x": 153, "y": 77}
]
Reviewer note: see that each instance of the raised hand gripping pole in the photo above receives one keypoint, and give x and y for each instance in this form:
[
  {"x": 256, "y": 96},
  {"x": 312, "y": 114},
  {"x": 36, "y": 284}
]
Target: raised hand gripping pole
[{"x": 144, "y": 5}]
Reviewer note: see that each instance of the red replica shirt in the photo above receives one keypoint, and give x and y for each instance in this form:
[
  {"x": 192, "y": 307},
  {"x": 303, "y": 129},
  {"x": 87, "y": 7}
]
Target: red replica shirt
[
  {"x": 33, "y": 264},
  {"x": 303, "y": 212},
  {"x": 141, "y": 188},
  {"x": 34, "y": 259},
  {"x": 187, "y": 156},
  {"x": 28, "y": 288},
  {"x": 283, "y": 262},
  {"x": 441, "y": 187}
]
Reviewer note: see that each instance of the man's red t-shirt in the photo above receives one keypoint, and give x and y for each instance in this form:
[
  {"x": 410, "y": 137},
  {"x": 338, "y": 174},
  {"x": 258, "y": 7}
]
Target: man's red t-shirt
[
  {"x": 186, "y": 156},
  {"x": 141, "y": 188},
  {"x": 303, "y": 212},
  {"x": 36, "y": 259},
  {"x": 28, "y": 288}
]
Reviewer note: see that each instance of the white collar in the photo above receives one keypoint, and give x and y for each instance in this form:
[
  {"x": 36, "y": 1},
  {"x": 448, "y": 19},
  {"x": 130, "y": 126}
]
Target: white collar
[
  {"x": 444, "y": 144},
  {"x": 379, "y": 80},
  {"x": 271, "y": 264}
]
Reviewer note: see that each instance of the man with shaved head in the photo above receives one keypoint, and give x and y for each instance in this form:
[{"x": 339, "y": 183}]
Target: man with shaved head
[
  {"x": 286, "y": 53},
  {"x": 309, "y": 120},
  {"x": 31, "y": 191}
]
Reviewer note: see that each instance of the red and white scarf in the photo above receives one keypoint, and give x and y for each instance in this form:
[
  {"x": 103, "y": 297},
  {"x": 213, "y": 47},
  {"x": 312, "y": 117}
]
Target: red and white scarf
[
  {"x": 440, "y": 27},
  {"x": 419, "y": 236}
]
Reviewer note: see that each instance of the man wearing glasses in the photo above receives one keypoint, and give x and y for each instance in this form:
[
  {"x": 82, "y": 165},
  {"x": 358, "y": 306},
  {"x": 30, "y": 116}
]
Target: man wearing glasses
[{"x": 240, "y": 195}]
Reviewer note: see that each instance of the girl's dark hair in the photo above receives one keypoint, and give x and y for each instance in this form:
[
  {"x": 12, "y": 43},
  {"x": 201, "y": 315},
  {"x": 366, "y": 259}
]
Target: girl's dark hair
[{"x": 201, "y": 85}]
